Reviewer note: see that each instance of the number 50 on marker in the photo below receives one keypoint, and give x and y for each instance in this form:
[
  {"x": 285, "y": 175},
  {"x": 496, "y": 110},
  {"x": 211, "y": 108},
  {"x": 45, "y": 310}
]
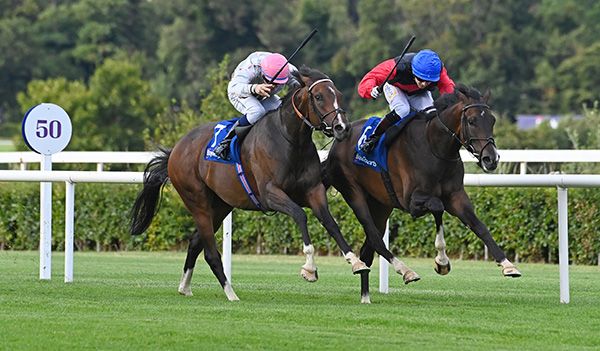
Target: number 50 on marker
[{"x": 47, "y": 129}]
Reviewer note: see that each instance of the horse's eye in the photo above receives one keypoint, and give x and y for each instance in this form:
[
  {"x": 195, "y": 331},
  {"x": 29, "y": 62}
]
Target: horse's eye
[
  {"x": 319, "y": 97},
  {"x": 471, "y": 121}
]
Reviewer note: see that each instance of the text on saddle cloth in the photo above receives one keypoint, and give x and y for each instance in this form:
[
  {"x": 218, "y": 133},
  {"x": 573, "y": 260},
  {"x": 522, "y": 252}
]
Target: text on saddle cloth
[{"x": 377, "y": 159}]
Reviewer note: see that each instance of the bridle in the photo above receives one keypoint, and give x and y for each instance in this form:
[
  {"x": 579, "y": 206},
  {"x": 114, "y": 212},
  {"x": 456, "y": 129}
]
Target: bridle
[
  {"x": 465, "y": 139},
  {"x": 322, "y": 126}
]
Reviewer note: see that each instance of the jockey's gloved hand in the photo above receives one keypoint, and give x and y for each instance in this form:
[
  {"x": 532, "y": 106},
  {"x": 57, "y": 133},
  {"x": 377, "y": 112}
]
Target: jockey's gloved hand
[
  {"x": 375, "y": 93},
  {"x": 263, "y": 90}
]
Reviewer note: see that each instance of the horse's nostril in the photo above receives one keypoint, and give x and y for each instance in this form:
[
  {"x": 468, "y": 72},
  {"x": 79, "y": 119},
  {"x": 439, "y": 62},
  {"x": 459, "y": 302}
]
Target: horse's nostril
[
  {"x": 339, "y": 128},
  {"x": 486, "y": 160}
]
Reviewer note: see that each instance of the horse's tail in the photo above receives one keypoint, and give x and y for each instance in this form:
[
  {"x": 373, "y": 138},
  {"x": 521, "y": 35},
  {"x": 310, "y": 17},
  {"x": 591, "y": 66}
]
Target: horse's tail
[{"x": 147, "y": 202}]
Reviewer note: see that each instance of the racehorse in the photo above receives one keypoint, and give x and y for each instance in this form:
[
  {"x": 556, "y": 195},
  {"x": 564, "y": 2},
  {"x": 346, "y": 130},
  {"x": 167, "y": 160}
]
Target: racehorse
[
  {"x": 282, "y": 168},
  {"x": 425, "y": 176}
]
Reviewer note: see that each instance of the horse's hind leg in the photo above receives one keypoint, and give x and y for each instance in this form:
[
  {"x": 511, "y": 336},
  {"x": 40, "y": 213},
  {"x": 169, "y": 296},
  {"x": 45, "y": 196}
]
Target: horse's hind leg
[
  {"x": 208, "y": 211},
  {"x": 194, "y": 249}
]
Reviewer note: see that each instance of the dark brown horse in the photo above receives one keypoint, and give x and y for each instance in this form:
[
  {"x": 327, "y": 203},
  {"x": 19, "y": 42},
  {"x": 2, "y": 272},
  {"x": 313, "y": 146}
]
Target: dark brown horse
[
  {"x": 282, "y": 166},
  {"x": 425, "y": 176}
]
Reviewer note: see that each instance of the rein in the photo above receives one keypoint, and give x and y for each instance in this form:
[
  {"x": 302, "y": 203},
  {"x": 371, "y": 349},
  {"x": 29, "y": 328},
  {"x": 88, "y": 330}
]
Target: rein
[
  {"x": 466, "y": 141},
  {"x": 323, "y": 127}
]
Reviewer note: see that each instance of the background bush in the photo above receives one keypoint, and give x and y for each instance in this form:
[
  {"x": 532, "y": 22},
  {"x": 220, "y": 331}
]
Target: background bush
[{"x": 522, "y": 220}]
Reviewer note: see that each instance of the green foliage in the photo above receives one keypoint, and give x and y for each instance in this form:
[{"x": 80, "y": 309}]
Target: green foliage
[
  {"x": 523, "y": 222},
  {"x": 178, "y": 45},
  {"x": 110, "y": 113}
]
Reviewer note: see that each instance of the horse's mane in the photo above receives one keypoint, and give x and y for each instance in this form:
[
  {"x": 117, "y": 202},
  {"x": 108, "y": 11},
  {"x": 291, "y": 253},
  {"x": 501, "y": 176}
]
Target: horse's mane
[
  {"x": 306, "y": 72},
  {"x": 448, "y": 100}
]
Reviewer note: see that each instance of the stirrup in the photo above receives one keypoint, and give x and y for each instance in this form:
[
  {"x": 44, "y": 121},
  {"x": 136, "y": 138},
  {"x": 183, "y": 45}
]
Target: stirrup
[
  {"x": 222, "y": 150},
  {"x": 368, "y": 145}
]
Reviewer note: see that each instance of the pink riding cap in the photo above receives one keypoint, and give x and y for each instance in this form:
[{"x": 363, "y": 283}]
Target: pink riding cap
[{"x": 271, "y": 64}]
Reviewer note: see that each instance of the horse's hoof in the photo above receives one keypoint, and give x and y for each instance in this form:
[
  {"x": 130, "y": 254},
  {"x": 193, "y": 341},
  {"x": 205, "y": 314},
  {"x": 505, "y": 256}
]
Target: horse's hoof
[
  {"x": 360, "y": 267},
  {"x": 511, "y": 271},
  {"x": 185, "y": 292},
  {"x": 441, "y": 269},
  {"x": 309, "y": 276},
  {"x": 366, "y": 299},
  {"x": 410, "y": 277}
]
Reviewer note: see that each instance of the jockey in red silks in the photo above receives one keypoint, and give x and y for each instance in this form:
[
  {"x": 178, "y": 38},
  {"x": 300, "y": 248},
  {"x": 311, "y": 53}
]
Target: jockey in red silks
[
  {"x": 409, "y": 86},
  {"x": 251, "y": 94}
]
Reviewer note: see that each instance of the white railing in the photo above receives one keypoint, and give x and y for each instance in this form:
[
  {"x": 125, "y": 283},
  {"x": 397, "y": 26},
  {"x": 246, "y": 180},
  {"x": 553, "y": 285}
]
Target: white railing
[
  {"x": 100, "y": 158},
  {"x": 562, "y": 182}
]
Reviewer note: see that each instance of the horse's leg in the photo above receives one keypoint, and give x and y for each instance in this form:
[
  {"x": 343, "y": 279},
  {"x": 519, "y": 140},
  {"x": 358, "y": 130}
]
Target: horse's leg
[
  {"x": 442, "y": 262},
  {"x": 357, "y": 201},
  {"x": 459, "y": 205},
  {"x": 367, "y": 253},
  {"x": 276, "y": 199},
  {"x": 317, "y": 200},
  {"x": 207, "y": 209},
  {"x": 194, "y": 249}
]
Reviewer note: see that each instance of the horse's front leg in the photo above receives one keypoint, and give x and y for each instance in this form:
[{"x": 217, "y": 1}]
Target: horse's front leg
[
  {"x": 459, "y": 205},
  {"x": 276, "y": 199},
  {"x": 356, "y": 199},
  {"x": 317, "y": 200},
  {"x": 442, "y": 262}
]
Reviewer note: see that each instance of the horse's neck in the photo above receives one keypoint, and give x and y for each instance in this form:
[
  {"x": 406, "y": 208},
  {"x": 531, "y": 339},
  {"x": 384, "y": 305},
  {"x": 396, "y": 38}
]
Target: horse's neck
[
  {"x": 439, "y": 133},
  {"x": 292, "y": 128}
]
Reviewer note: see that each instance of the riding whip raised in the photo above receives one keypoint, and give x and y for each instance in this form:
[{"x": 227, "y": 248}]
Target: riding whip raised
[
  {"x": 380, "y": 87},
  {"x": 314, "y": 31}
]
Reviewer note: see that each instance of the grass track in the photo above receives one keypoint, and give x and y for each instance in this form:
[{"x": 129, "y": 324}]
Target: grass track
[{"x": 128, "y": 301}]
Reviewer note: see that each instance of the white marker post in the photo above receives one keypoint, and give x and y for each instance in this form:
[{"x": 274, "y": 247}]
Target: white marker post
[{"x": 47, "y": 130}]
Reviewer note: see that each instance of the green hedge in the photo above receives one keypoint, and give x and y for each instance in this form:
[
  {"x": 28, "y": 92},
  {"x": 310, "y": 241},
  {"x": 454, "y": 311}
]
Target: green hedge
[{"x": 522, "y": 220}]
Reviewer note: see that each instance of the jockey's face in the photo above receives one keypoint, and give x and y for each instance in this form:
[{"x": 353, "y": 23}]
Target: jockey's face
[
  {"x": 267, "y": 81},
  {"x": 422, "y": 84}
]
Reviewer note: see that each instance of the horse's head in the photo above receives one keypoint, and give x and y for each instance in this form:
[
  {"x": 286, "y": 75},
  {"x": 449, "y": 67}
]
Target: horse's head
[
  {"x": 319, "y": 104},
  {"x": 476, "y": 126}
]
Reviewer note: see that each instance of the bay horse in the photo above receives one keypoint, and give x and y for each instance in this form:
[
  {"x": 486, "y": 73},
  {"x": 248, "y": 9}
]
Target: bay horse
[
  {"x": 282, "y": 167},
  {"x": 425, "y": 176}
]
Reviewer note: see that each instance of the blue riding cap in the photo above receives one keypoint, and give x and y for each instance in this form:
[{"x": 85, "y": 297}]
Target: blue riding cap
[{"x": 426, "y": 65}]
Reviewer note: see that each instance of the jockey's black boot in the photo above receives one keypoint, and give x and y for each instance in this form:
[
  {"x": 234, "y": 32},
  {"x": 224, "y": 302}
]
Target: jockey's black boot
[
  {"x": 369, "y": 144},
  {"x": 222, "y": 150}
]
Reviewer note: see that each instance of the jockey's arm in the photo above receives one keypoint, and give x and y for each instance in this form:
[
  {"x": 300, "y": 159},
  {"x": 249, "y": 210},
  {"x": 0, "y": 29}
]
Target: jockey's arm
[
  {"x": 375, "y": 77},
  {"x": 445, "y": 84}
]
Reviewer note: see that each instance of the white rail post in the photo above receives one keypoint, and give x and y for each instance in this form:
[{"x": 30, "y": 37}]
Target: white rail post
[
  {"x": 69, "y": 229},
  {"x": 523, "y": 168},
  {"x": 383, "y": 263},
  {"x": 227, "y": 225},
  {"x": 46, "y": 221},
  {"x": 563, "y": 244}
]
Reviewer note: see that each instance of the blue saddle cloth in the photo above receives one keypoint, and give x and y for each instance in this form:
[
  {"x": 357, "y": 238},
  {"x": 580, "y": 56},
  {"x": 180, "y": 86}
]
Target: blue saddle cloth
[
  {"x": 219, "y": 133},
  {"x": 376, "y": 159}
]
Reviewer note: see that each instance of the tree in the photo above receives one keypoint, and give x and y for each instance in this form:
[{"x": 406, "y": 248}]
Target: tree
[{"x": 110, "y": 113}]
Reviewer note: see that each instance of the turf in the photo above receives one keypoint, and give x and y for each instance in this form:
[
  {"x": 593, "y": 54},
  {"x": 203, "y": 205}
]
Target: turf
[{"x": 129, "y": 301}]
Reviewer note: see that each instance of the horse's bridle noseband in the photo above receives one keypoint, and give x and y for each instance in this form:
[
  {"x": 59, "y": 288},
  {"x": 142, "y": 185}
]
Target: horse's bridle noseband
[
  {"x": 464, "y": 138},
  {"x": 323, "y": 127}
]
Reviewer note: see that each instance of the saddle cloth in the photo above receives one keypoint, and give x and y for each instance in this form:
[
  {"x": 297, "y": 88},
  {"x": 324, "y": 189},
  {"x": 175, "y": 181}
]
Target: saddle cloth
[
  {"x": 219, "y": 133},
  {"x": 377, "y": 159}
]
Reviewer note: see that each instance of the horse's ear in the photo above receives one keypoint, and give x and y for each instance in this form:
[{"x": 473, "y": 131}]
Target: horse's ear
[
  {"x": 461, "y": 96},
  {"x": 305, "y": 80},
  {"x": 299, "y": 77},
  {"x": 487, "y": 95}
]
